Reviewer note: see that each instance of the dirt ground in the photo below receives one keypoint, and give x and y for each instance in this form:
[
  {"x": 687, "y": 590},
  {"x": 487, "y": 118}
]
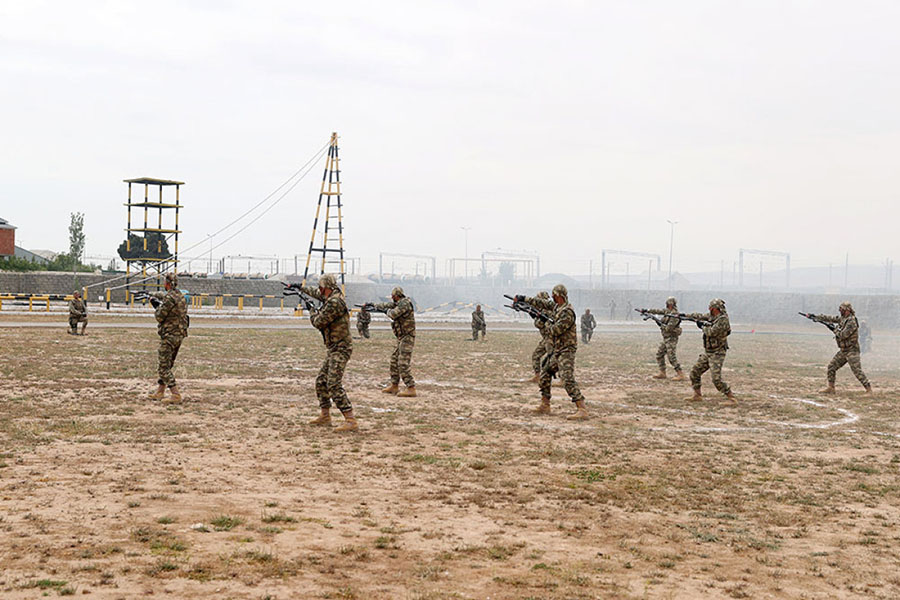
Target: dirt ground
[{"x": 459, "y": 493}]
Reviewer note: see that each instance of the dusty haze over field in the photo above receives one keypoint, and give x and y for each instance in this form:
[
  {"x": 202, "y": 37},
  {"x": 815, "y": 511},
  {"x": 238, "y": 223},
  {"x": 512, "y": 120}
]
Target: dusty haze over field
[{"x": 560, "y": 127}]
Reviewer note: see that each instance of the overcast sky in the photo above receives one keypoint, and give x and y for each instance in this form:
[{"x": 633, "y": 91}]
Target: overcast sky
[{"x": 560, "y": 127}]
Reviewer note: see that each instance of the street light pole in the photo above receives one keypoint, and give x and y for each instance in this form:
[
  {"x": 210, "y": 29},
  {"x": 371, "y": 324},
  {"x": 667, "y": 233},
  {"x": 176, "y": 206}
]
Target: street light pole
[
  {"x": 671, "y": 246},
  {"x": 209, "y": 235},
  {"x": 466, "y": 229}
]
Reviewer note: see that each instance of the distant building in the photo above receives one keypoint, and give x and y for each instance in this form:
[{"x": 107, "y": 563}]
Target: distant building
[
  {"x": 31, "y": 256},
  {"x": 7, "y": 238}
]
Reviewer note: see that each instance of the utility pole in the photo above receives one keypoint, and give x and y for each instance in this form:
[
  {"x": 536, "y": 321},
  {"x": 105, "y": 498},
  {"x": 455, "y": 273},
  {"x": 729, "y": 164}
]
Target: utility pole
[
  {"x": 671, "y": 247},
  {"x": 466, "y": 230}
]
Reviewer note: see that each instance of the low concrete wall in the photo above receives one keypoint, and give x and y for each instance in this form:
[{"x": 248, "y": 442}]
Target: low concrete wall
[{"x": 882, "y": 311}]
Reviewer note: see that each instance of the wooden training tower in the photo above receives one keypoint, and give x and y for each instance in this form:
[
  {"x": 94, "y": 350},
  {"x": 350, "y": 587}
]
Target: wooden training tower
[{"x": 330, "y": 250}]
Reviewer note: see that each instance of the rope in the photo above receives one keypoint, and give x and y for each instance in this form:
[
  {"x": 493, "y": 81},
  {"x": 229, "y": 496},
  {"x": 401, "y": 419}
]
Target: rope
[{"x": 307, "y": 166}]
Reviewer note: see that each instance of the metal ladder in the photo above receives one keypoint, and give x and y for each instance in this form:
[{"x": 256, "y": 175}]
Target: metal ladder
[{"x": 333, "y": 215}]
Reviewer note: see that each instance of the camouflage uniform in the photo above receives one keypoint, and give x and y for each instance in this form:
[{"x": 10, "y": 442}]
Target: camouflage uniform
[
  {"x": 715, "y": 345},
  {"x": 478, "y": 324},
  {"x": 77, "y": 314},
  {"x": 363, "y": 318},
  {"x": 403, "y": 324},
  {"x": 563, "y": 337},
  {"x": 588, "y": 323},
  {"x": 333, "y": 320},
  {"x": 543, "y": 347},
  {"x": 671, "y": 331},
  {"x": 171, "y": 314},
  {"x": 847, "y": 336}
]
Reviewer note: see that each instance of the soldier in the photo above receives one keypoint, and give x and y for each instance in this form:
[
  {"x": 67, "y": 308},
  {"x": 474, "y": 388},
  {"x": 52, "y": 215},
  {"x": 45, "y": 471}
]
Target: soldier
[
  {"x": 544, "y": 346},
  {"x": 715, "y": 345},
  {"x": 333, "y": 320},
  {"x": 77, "y": 314},
  {"x": 403, "y": 322},
  {"x": 612, "y": 309},
  {"x": 564, "y": 339},
  {"x": 846, "y": 333},
  {"x": 588, "y": 323},
  {"x": 363, "y": 318},
  {"x": 629, "y": 308},
  {"x": 171, "y": 314},
  {"x": 670, "y": 330},
  {"x": 865, "y": 337},
  {"x": 478, "y": 324}
]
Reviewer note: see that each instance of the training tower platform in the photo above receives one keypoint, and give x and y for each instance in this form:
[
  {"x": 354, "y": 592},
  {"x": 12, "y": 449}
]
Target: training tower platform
[{"x": 147, "y": 255}]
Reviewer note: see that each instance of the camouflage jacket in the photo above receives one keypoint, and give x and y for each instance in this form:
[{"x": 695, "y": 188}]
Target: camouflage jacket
[
  {"x": 563, "y": 332},
  {"x": 588, "y": 322},
  {"x": 171, "y": 314},
  {"x": 77, "y": 308},
  {"x": 402, "y": 316},
  {"x": 715, "y": 336},
  {"x": 542, "y": 327},
  {"x": 846, "y": 333},
  {"x": 333, "y": 319},
  {"x": 671, "y": 324},
  {"x": 363, "y": 317},
  {"x": 478, "y": 319}
]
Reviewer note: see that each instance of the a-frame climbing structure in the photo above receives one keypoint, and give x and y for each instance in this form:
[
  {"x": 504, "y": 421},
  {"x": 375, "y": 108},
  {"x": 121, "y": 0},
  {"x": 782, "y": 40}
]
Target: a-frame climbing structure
[{"x": 330, "y": 250}]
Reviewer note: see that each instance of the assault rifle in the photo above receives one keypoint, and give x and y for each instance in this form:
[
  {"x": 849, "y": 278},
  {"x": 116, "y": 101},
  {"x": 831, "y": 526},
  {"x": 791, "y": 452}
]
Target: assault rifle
[
  {"x": 144, "y": 296},
  {"x": 701, "y": 323},
  {"x": 370, "y": 306},
  {"x": 817, "y": 319},
  {"x": 309, "y": 303},
  {"x": 647, "y": 316},
  {"x": 519, "y": 305}
]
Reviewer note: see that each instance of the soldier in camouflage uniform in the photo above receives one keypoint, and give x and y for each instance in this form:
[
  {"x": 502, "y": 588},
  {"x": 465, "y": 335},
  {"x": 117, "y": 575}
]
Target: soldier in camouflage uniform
[
  {"x": 171, "y": 315},
  {"x": 716, "y": 330},
  {"x": 671, "y": 331},
  {"x": 403, "y": 322},
  {"x": 333, "y": 320},
  {"x": 478, "y": 324},
  {"x": 846, "y": 333},
  {"x": 563, "y": 334},
  {"x": 77, "y": 314},
  {"x": 544, "y": 346},
  {"x": 363, "y": 318},
  {"x": 588, "y": 323}
]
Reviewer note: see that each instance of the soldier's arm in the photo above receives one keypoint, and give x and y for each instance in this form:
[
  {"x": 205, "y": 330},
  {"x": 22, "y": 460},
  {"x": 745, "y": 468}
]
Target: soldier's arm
[
  {"x": 541, "y": 303},
  {"x": 719, "y": 327},
  {"x": 384, "y": 306},
  {"x": 700, "y": 316},
  {"x": 564, "y": 321},
  {"x": 313, "y": 292},
  {"x": 656, "y": 311},
  {"x": 828, "y": 318},
  {"x": 165, "y": 308},
  {"x": 331, "y": 310},
  {"x": 403, "y": 308}
]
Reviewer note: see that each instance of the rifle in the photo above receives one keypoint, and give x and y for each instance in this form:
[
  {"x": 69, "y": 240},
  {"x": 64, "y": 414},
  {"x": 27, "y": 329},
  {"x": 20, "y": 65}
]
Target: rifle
[
  {"x": 144, "y": 296},
  {"x": 701, "y": 323},
  {"x": 816, "y": 319},
  {"x": 294, "y": 289},
  {"x": 370, "y": 306},
  {"x": 522, "y": 306},
  {"x": 647, "y": 316}
]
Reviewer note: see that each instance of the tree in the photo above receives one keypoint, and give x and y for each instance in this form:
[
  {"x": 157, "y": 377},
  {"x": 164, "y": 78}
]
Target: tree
[
  {"x": 157, "y": 247},
  {"x": 76, "y": 237},
  {"x": 507, "y": 272}
]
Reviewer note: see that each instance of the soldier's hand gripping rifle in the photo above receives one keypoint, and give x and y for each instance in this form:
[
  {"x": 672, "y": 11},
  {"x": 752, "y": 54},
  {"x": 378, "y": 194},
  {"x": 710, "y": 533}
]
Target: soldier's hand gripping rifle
[
  {"x": 701, "y": 323},
  {"x": 309, "y": 303},
  {"x": 816, "y": 319},
  {"x": 144, "y": 296},
  {"x": 519, "y": 305},
  {"x": 369, "y": 306},
  {"x": 645, "y": 315}
]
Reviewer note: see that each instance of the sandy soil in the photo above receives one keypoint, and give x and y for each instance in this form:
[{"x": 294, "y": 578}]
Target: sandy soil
[{"x": 460, "y": 493}]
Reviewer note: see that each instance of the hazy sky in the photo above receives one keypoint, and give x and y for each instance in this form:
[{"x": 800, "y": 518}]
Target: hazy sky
[{"x": 561, "y": 127}]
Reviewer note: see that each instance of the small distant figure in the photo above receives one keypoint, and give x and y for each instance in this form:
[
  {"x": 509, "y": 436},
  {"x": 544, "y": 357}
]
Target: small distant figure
[
  {"x": 402, "y": 313},
  {"x": 478, "y": 324},
  {"x": 865, "y": 337},
  {"x": 588, "y": 323},
  {"x": 612, "y": 310},
  {"x": 77, "y": 314},
  {"x": 628, "y": 310},
  {"x": 363, "y": 318}
]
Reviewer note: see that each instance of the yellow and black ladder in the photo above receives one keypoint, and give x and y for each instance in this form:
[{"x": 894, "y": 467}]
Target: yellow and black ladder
[{"x": 331, "y": 193}]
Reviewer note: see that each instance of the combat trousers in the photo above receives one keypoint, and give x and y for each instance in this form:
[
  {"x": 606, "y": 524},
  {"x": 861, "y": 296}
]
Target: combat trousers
[
  {"x": 539, "y": 352},
  {"x": 330, "y": 380},
  {"x": 168, "y": 350},
  {"x": 475, "y": 331},
  {"x": 712, "y": 362},
  {"x": 363, "y": 330},
  {"x": 667, "y": 348},
  {"x": 563, "y": 363},
  {"x": 586, "y": 335},
  {"x": 401, "y": 359},
  {"x": 74, "y": 321},
  {"x": 842, "y": 358}
]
